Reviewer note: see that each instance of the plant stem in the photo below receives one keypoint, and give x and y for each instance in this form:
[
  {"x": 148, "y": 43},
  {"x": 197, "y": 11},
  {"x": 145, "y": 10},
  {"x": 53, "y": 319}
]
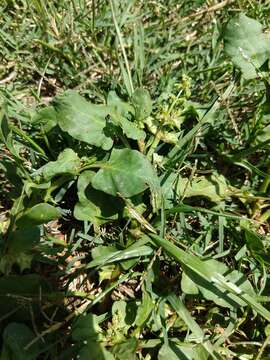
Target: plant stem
[{"x": 264, "y": 345}]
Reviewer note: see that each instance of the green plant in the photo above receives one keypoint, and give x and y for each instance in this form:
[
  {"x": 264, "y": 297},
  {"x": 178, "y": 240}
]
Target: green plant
[{"x": 167, "y": 254}]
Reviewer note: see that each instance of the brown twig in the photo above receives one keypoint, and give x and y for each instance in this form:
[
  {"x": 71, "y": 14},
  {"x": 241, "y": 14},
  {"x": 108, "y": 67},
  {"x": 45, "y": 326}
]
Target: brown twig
[
  {"x": 157, "y": 253},
  {"x": 213, "y": 8},
  {"x": 9, "y": 78},
  {"x": 56, "y": 326}
]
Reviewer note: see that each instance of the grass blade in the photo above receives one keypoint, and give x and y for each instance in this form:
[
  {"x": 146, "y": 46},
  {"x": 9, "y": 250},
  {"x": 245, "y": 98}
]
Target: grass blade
[
  {"x": 184, "y": 314},
  {"x": 211, "y": 281}
]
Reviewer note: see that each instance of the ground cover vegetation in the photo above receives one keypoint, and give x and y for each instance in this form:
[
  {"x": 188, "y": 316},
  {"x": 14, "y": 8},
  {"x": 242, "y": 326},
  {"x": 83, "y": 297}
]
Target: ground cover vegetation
[{"x": 134, "y": 156}]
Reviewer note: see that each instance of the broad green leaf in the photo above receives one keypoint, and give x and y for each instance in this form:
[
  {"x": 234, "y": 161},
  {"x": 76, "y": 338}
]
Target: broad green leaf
[
  {"x": 119, "y": 310},
  {"x": 47, "y": 118},
  {"x": 188, "y": 286},
  {"x": 94, "y": 350},
  {"x": 15, "y": 337},
  {"x": 142, "y": 104},
  {"x": 125, "y": 350},
  {"x": 67, "y": 163},
  {"x": 94, "y": 205},
  {"x": 120, "y": 112},
  {"x": 39, "y": 214},
  {"x": 120, "y": 322},
  {"x": 82, "y": 120},
  {"x": 129, "y": 128},
  {"x": 215, "y": 187},
  {"x": 247, "y": 45},
  {"x": 22, "y": 240},
  {"x": 86, "y": 327},
  {"x": 144, "y": 309},
  {"x": 119, "y": 106},
  {"x": 127, "y": 172}
]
